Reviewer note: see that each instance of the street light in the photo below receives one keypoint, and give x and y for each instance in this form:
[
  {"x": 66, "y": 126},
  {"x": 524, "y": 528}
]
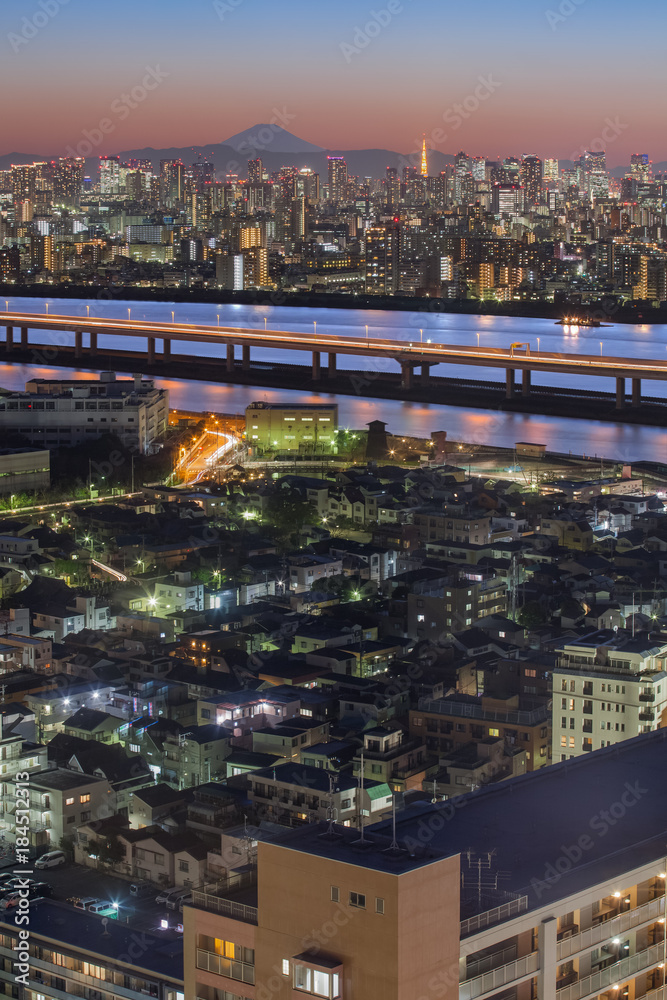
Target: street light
[
  {"x": 421, "y": 336},
  {"x": 478, "y": 339},
  {"x": 315, "y": 325},
  {"x": 88, "y": 311},
  {"x": 218, "y": 315},
  {"x": 538, "y": 345},
  {"x": 128, "y": 314},
  {"x": 366, "y": 332},
  {"x": 172, "y": 315},
  {"x": 46, "y": 306},
  {"x": 600, "y": 348},
  {"x": 265, "y": 320}
]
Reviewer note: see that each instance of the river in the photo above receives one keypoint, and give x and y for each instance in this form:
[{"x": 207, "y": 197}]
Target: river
[{"x": 623, "y": 442}]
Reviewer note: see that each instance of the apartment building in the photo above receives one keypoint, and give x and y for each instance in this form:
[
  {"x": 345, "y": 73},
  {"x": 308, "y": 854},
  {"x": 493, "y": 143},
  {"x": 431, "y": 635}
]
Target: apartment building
[
  {"x": 72, "y": 953},
  {"x": 309, "y": 428},
  {"x": 607, "y": 687},
  {"x": 453, "y": 523},
  {"x": 549, "y": 886},
  {"x": 448, "y": 723}
]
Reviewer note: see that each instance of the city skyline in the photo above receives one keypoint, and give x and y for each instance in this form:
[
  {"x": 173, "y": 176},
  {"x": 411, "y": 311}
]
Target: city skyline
[{"x": 543, "y": 80}]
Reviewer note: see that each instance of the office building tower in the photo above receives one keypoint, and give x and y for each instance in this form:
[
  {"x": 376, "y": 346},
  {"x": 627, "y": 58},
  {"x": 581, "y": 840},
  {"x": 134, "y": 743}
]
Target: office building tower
[
  {"x": 308, "y": 185},
  {"x": 531, "y": 178},
  {"x": 507, "y": 199},
  {"x": 550, "y": 171},
  {"x": 337, "y": 178},
  {"x": 640, "y": 166},
  {"x": 478, "y": 168},
  {"x": 109, "y": 175},
  {"x": 203, "y": 175}
]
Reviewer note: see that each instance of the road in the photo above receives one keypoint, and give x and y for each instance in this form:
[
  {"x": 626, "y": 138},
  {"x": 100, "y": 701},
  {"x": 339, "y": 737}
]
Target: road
[
  {"x": 203, "y": 457},
  {"x": 423, "y": 351}
]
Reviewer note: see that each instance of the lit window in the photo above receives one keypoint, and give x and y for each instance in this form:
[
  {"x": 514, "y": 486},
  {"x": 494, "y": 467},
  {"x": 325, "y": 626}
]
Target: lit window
[
  {"x": 84, "y": 798},
  {"x": 69, "y": 802},
  {"x": 494, "y": 732},
  {"x": 286, "y": 967}
]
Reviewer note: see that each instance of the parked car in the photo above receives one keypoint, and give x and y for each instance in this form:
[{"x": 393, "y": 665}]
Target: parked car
[
  {"x": 86, "y": 902},
  {"x": 183, "y": 901},
  {"x": 176, "y": 897},
  {"x": 164, "y": 895},
  {"x": 141, "y": 889},
  {"x": 102, "y": 906},
  {"x": 10, "y": 900},
  {"x": 51, "y": 860}
]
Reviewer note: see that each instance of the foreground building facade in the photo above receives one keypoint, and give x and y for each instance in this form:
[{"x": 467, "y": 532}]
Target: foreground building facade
[{"x": 550, "y": 886}]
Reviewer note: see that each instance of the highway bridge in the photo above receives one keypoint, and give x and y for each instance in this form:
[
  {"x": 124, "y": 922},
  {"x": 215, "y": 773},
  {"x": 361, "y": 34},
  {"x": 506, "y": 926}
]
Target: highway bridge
[{"x": 62, "y": 340}]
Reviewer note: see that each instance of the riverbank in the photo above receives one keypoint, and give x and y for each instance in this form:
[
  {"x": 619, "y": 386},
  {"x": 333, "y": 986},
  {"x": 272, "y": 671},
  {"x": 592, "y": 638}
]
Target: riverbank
[{"x": 605, "y": 310}]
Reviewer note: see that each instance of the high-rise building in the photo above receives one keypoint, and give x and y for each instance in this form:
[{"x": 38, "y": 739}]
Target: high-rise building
[
  {"x": 308, "y": 185},
  {"x": 229, "y": 271},
  {"x": 531, "y": 177},
  {"x": 255, "y": 171},
  {"x": 337, "y": 178},
  {"x": 393, "y": 187},
  {"x": 109, "y": 175},
  {"x": 68, "y": 180},
  {"x": 382, "y": 256},
  {"x": 550, "y": 170},
  {"x": 507, "y": 199},
  {"x": 172, "y": 180},
  {"x": 203, "y": 174},
  {"x": 640, "y": 166}
]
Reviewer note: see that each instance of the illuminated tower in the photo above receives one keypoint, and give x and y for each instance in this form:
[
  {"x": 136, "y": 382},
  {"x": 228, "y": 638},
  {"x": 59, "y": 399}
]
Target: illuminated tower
[{"x": 424, "y": 158}]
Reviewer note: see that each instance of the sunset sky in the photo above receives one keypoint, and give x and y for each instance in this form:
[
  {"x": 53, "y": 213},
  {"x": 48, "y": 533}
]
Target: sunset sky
[{"x": 561, "y": 72}]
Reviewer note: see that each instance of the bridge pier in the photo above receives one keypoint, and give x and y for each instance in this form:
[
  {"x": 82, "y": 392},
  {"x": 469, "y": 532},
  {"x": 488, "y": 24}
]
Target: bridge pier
[
  {"x": 10, "y": 338},
  {"x": 425, "y": 374},
  {"x": 78, "y": 343},
  {"x": 620, "y": 393},
  {"x": 24, "y": 337},
  {"x": 166, "y": 348},
  {"x": 509, "y": 383},
  {"x": 230, "y": 358},
  {"x": 316, "y": 366},
  {"x": 525, "y": 382},
  {"x": 93, "y": 342},
  {"x": 407, "y": 372},
  {"x": 332, "y": 366},
  {"x": 151, "y": 349},
  {"x": 245, "y": 351},
  {"x": 636, "y": 392}
]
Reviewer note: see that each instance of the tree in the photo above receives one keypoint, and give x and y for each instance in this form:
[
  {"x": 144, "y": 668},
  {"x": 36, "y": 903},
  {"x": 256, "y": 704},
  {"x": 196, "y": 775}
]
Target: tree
[
  {"x": 531, "y": 615},
  {"x": 287, "y": 512}
]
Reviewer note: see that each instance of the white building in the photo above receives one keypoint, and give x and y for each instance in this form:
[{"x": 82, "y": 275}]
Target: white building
[
  {"x": 53, "y": 414},
  {"x": 607, "y": 687}
]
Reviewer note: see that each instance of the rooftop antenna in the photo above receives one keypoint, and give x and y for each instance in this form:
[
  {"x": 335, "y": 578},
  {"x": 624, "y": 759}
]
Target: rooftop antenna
[
  {"x": 331, "y": 811},
  {"x": 361, "y": 801}
]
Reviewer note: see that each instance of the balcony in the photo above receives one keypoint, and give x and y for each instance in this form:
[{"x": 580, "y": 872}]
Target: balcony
[
  {"x": 647, "y": 715},
  {"x": 514, "y": 973},
  {"x": 647, "y": 696},
  {"x": 234, "y": 897},
  {"x": 497, "y": 915},
  {"x": 627, "y": 968},
  {"x": 608, "y": 929}
]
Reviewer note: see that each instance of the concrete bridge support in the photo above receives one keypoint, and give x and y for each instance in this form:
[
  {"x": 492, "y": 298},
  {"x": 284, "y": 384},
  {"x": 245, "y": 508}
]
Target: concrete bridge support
[
  {"x": 620, "y": 393},
  {"x": 78, "y": 343},
  {"x": 636, "y": 392},
  {"x": 93, "y": 342},
  {"x": 230, "y": 358},
  {"x": 407, "y": 372},
  {"x": 317, "y": 374},
  {"x": 332, "y": 366},
  {"x": 425, "y": 375},
  {"x": 24, "y": 337},
  {"x": 509, "y": 383},
  {"x": 151, "y": 349},
  {"x": 245, "y": 353},
  {"x": 10, "y": 338},
  {"x": 525, "y": 382}
]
